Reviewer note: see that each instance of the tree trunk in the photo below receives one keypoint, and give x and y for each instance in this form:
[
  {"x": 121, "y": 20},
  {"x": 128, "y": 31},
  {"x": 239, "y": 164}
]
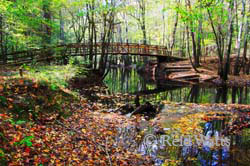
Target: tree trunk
[
  {"x": 229, "y": 45},
  {"x": 62, "y": 33},
  {"x": 219, "y": 43},
  {"x": 245, "y": 42},
  {"x": 195, "y": 56},
  {"x": 3, "y": 52},
  {"x": 47, "y": 29},
  {"x": 237, "y": 63},
  {"x": 188, "y": 50},
  {"x": 90, "y": 16},
  {"x": 174, "y": 32},
  {"x": 143, "y": 15},
  {"x": 199, "y": 53}
]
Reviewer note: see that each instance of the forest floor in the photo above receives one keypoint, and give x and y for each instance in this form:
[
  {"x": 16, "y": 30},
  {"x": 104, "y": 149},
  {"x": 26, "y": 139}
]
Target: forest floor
[
  {"x": 43, "y": 122},
  {"x": 41, "y": 125},
  {"x": 45, "y": 126}
]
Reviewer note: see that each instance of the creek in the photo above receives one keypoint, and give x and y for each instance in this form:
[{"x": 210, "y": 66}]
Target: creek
[{"x": 213, "y": 121}]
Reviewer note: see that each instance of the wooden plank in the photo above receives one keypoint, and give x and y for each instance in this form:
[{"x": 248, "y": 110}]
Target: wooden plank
[{"x": 184, "y": 76}]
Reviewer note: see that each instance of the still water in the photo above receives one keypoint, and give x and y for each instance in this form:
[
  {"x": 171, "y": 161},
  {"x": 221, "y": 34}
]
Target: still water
[
  {"x": 124, "y": 80},
  {"x": 212, "y": 122}
]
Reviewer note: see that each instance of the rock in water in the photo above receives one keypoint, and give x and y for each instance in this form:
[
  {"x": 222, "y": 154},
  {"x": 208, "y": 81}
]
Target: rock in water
[
  {"x": 146, "y": 109},
  {"x": 126, "y": 109}
]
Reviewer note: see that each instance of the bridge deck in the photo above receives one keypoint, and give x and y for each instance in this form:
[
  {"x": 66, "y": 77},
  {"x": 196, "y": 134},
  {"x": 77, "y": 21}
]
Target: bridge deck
[{"x": 83, "y": 49}]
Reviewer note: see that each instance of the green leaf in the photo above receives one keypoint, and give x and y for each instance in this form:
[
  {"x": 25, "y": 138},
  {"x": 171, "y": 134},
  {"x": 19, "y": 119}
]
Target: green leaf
[
  {"x": 54, "y": 87},
  {"x": 1, "y": 152},
  {"x": 3, "y": 100},
  {"x": 28, "y": 143},
  {"x": 19, "y": 122}
]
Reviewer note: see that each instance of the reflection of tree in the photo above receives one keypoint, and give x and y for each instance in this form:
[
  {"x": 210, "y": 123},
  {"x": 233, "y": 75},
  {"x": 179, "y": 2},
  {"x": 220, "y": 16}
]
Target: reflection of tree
[
  {"x": 221, "y": 95},
  {"x": 238, "y": 91},
  {"x": 193, "y": 95}
]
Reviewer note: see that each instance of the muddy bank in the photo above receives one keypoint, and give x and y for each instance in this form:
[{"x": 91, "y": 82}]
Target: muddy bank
[{"x": 183, "y": 73}]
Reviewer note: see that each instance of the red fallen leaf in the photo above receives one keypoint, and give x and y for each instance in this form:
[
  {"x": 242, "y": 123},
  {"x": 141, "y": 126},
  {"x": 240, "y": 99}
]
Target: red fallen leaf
[
  {"x": 43, "y": 160},
  {"x": 27, "y": 150},
  {"x": 38, "y": 145},
  {"x": 21, "y": 82}
]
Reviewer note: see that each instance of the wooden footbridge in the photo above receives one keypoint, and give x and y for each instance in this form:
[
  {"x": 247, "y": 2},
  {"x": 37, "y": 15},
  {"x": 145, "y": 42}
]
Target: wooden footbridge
[{"x": 84, "y": 49}]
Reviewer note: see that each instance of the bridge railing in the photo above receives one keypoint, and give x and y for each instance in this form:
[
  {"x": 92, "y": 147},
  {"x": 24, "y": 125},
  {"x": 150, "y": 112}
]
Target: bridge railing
[
  {"x": 120, "y": 48},
  {"x": 83, "y": 49}
]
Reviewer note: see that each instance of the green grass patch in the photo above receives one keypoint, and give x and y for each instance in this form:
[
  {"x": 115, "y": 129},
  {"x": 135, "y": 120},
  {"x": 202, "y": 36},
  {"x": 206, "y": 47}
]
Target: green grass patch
[{"x": 57, "y": 76}]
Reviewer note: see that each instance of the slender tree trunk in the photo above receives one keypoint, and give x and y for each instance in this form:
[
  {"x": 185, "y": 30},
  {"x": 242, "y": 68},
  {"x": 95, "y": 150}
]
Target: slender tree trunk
[
  {"x": 238, "y": 48},
  {"x": 62, "y": 33},
  {"x": 108, "y": 25},
  {"x": 2, "y": 51},
  {"x": 47, "y": 28},
  {"x": 246, "y": 61},
  {"x": 188, "y": 51},
  {"x": 219, "y": 42},
  {"x": 195, "y": 56},
  {"x": 199, "y": 37},
  {"x": 236, "y": 24},
  {"x": 164, "y": 27},
  {"x": 174, "y": 32},
  {"x": 90, "y": 16},
  {"x": 143, "y": 26},
  {"x": 229, "y": 45},
  {"x": 126, "y": 31},
  {"x": 245, "y": 42}
]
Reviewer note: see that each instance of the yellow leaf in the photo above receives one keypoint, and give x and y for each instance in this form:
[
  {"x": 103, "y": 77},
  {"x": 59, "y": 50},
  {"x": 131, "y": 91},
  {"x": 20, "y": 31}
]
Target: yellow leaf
[
  {"x": 46, "y": 150},
  {"x": 84, "y": 130},
  {"x": 109, "y": 132},
  {"x": 1, "y": 88}
]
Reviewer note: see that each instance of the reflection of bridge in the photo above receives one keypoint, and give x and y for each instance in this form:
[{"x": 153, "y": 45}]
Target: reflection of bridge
[{"x": 83, "y": 49}]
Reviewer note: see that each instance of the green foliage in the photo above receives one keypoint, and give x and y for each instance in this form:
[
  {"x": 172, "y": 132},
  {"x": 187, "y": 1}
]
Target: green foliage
[
  {"x": 18, "y": 122},
  {"x": 3, "y": 100},
  {"x": 1, "y": 152},
  {"x": 25, "y": 141},
  {"x": 58, "y": 76}
]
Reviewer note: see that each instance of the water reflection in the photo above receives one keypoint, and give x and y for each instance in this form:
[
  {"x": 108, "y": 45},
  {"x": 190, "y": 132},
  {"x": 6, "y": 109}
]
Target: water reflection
[
  {"x": 127, "y": 80},
  {"x": 221, "y": 145}
]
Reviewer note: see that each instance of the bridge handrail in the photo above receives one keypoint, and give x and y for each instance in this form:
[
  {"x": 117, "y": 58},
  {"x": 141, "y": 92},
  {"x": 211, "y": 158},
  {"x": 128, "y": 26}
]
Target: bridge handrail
[{"x": 115, "y": 48}]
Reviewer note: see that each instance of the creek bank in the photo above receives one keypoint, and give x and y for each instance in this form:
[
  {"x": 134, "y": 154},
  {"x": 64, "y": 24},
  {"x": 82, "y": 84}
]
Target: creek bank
[{"x": 182, "y": 72}]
